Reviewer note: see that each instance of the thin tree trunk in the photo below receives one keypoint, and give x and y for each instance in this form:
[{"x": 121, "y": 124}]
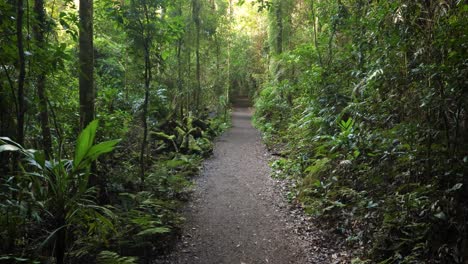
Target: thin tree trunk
[
  {"x": 39, "y": 30},
  {"x": 22, "y": 73},
  {"x": 218, "y": 54},
  {"x": 86, "y": 61},
  {"x": 179, "y": 68},
  {"x": 228, "y": 86},
  {"x": 196, "y": 17},
  {"x": 199, "y": 91},
  {"x": 148, "y": 79},
  {"x": 330, "y": 45},
  {"x": 145, "y": 115},
  {"x": 218, "y": 87},
  {"x": 279, "y": 24},
  {"x": 315, "y": 21},
  {"x": 179, "y": 77},
  {"x": 60, "y": 242},
  {"x": 12, "y": 89},
  {"x": 190, "y": 94}
]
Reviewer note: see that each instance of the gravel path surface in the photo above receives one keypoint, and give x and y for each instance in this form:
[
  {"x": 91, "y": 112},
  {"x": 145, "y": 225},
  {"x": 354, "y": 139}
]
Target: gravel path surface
[{"x": 238, "y": 214}]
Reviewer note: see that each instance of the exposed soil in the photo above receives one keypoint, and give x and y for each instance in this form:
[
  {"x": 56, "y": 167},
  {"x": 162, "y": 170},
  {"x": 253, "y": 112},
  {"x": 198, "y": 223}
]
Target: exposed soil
[{"x": 238, "y": 213}]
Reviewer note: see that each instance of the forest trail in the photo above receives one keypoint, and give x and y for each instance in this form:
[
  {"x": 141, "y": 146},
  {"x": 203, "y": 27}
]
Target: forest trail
[{"x": 236, "y": 215}]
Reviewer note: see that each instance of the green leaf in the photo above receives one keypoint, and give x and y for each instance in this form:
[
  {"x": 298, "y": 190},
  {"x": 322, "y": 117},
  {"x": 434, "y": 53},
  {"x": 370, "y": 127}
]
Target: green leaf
[
  {"x": 175, "y": 163},
  {"x": 455, "y": 187},
  {"x": 356, "y": 153},
  {"x": 108, "y": 257},
  {"x": 9, "y": 141},
  {"x": 441, "y": 215},
  {"x": 317, "y": 183},
  {"x": 101, "y": 148},
  {"x": 154, "y": 231},
  {"x": 165, "y": 54},
  {"x": 192, "y": 144},
  {"x": 16, "y": 259},
  {"x": 8, "y": 147},
  {"x": 162, "y": 135},
  {"x": 85, "y": 141},
  {"x": 39, "y": 158}
]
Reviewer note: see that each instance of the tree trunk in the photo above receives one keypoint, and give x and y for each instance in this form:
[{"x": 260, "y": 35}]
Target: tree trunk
[
  {"x": 148, "y": 77},
  {"x": 190, "y": 94},
  {"x": 60, "y": 242},
  {"x": 218, "y": 85},
  {"x": 179, "y": 77},
  {"x": 228, "y": 86},
  {"x": 39, "y": 30},
  {"x": 179, "y": 69},
  {"x": 22, "y": 73},
  {"x": 279, "y": 25},
  {"x": 196, "y": 18},
  {"x": 86, "y": 61},
  {"x": 315, "y": 22},
  {"x": 86, "y": 79}
]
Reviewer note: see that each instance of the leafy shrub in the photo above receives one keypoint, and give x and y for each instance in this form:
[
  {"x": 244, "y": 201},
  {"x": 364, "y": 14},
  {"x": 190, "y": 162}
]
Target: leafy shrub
[{"x": 58, "y": 191}]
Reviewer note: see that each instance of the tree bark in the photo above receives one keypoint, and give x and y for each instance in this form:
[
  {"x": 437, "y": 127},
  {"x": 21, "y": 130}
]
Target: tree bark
[
  {"x": 179, "y": 77},
  {"x": 179, "y": 68},
  {"x": 86, "y": 81},
  {"x": 228, "y": 86},
  {"x": 279, "y": 25},
  {"x": 315, "y": 21},
  {"x": 218, "y": 86},
  {"x": 86, "y": 61},
  {"x": 144, "y": 142},
  {"x": 196, "y": 18},
  {"x": 60, "y": 242},
  {"x": 148, "y": 78},
  {"x": 39, "y": 30},
  {"x": 190, "y": 93},
  {"x": 22, "y": 73}
]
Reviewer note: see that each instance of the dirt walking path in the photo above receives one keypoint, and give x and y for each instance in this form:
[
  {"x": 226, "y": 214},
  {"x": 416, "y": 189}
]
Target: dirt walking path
[{"x": 237, "y": 215}]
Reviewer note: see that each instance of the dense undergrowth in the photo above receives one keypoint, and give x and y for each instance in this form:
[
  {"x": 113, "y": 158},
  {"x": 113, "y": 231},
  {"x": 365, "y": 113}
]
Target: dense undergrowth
[
  {"x": 370, "y": 125},
  {"x": 49, "y": 208},
  {"x": 153, "y": 73},
  {"x": 365, "y": 101}
]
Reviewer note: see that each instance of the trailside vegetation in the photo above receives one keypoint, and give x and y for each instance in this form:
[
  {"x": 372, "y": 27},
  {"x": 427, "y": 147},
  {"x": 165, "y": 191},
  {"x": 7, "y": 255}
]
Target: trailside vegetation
[
  {"x": 365, "y": 103},
  {"x": 107, "y": 109}
]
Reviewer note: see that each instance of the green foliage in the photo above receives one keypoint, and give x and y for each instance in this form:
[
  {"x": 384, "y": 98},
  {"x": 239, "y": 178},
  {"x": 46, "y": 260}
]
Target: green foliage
[
  {"x": 86, "y": 152},
  {"x": 365, "y": 102},
  {"x": 58, "y": 190},
  {"x": 192, "y": 136},
  {"x": 73, "y": 199},
  {"x": 13, "y": 259},
  {"x": 143, "y": 220},
  {"x": 361, "y": 106},
  {"x": 108, "y": 257}
]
